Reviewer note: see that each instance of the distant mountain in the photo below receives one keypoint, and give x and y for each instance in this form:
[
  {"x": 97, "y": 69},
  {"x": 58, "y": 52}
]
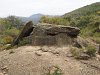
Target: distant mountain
[
  {"x": 34, "y": 18},
  {"x": 86, "y": 10}
]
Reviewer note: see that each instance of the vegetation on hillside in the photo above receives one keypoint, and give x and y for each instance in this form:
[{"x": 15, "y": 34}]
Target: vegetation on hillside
[
  {"x": 84, "y": 11},
  {"x": 9, "y": 29},
  {"x": 54, "y": 20}
]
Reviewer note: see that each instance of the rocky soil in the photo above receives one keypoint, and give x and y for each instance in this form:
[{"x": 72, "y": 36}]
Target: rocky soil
[{"x": 39, "y": 60}]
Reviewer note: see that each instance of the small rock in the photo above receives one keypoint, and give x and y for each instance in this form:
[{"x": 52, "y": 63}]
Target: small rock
[
  {"x": 84, "y": 56},
  {"x": 10, "y": 52},
  {"x": 4, "y": 72},
  {"x": 55, "y": 52},
  {"x": 5, "y": 67},
  {"x": 69, "y": 55},
  {"x": 22, "y": 65},
  {"x": 66, "y": 60},
  {"x": 38, "y": 53},
  {"x": 44, "y": 50}
]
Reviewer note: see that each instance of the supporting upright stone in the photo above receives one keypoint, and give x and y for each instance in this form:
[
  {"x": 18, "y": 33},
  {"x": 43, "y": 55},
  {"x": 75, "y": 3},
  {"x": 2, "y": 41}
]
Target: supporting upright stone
[{"x": 28, "y": 28}]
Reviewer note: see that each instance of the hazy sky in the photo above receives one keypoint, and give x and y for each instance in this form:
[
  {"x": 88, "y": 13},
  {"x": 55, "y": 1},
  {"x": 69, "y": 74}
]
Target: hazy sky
[{"x": 48, "y": 7}]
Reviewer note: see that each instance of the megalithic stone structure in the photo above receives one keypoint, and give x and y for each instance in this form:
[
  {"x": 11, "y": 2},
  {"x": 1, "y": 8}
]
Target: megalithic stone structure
[
  {"x": 28, "y": 28},
  {"x": 48, "y": 34}
]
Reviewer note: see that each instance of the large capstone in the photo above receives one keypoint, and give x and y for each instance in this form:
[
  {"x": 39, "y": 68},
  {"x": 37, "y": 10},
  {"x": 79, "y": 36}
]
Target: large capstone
[{"x": 54, "y": 35}]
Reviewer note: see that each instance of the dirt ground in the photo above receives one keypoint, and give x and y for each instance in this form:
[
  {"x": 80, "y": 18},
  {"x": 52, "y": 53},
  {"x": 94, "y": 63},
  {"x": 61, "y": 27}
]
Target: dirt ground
[{"x": 36, "y": 60}]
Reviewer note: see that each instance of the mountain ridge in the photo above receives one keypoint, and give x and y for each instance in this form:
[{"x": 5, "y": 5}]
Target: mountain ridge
[
  {"x": 34, "y": 18},
  {"x": 86, "y": 10}
]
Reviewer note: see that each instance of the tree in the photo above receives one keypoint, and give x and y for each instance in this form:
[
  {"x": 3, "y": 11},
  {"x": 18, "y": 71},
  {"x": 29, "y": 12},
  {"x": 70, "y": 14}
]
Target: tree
[{"x": 14, "y": 21}]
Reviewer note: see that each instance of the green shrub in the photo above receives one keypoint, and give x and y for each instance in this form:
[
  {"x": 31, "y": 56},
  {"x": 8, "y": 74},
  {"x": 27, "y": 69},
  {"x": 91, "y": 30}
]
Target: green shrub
[
  {"x": 23, "y": 42},
  {"x": 98, "y": 12},
  {"x": 96, "y": 34},
  {"x": 83, "y": 54},
  {"x": 57, "y": 71},
  {"x": 97, "y": 39},
  {"x": 90, "y": 50},
  {"x": 76, "y": 52},
  {"x": 6, "y": 40},
  {"x": 11, "y": 32}
]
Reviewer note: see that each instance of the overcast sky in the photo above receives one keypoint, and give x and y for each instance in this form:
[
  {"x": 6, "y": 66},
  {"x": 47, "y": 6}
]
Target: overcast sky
[{"x": 48, "y": 7}]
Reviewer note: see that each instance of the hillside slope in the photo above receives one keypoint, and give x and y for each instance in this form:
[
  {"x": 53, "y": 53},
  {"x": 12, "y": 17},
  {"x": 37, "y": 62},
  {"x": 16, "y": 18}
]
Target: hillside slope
[
  {"x": 87, "y": 19},
  {"x": 86, "y": 10}
]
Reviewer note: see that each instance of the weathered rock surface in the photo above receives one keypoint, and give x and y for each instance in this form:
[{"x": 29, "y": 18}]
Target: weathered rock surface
[
  {"x": 48, "y": 34},
  {"x": 54, "y": 35},
  {"x": 70, "y": 31}
]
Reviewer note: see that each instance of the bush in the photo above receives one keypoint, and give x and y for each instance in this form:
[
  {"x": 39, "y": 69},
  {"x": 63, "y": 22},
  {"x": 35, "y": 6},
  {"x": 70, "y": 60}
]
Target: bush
[
  {"x": 90, "y": 50},
  {"x": 57, "y": 71},
  {"x": 96, "y": 34},
  {"x": 11, "y": 32},
  {"x": 23, "y": 42},
  {"x": 76, "y": 52},
  {"x": 6, "y": 40},
  {"x": 55, "y": 20},
  {"x": 83, "y": 54},
  {"x": 97, "y": 39}
]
